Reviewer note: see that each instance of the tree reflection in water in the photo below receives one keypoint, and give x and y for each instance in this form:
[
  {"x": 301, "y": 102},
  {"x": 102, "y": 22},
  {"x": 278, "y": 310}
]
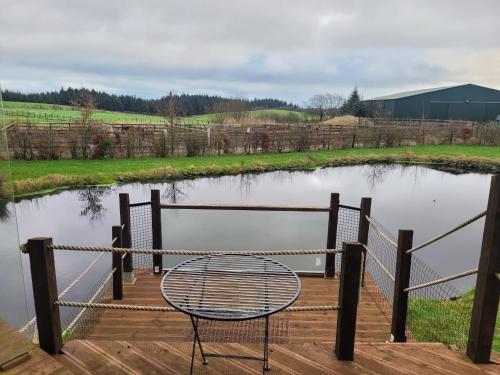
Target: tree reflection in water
[
  {"x": 376, "y": 174},
  {"x": 4, "y": 209},
  {"x": 175, "y": 191},
  {"x": 91, "y": 199}
]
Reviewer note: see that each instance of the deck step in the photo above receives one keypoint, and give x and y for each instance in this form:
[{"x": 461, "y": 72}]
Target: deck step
[{"x": 159, "y": 357}]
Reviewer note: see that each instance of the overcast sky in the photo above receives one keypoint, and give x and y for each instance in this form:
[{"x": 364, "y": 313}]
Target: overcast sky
[{"x": 258, "y": 48}]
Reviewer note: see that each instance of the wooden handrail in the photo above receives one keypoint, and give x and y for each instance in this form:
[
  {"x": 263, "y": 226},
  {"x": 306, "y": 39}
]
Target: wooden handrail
[{"x": 240, "y": 207}]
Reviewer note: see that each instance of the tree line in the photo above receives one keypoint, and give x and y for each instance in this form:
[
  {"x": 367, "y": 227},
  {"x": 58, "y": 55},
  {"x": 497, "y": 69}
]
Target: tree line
[{"x": 190, "y": 104}]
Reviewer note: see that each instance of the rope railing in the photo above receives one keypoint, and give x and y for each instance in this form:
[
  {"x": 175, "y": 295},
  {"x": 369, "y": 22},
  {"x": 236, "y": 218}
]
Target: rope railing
[
  {"x": 68, "y": 288},
  {"x": 93, "y": 305},
  {"x": 382, "y": 267},
  {"x": 447, "y": 233},
  {"x": 381, "y": 232},
  {"x": 72, "y": 324},
  {"x": 192, "y": 252},
  {"x": 444, "y": 279}
]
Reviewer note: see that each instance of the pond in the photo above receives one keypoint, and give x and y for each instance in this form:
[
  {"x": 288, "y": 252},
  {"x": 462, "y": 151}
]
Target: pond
[{"x": 407, "y": 197}]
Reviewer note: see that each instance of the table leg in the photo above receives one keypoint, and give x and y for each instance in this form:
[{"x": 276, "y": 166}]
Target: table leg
[
  {"x": 196, "y": 339},
  {"x": 266, "y": 347}
]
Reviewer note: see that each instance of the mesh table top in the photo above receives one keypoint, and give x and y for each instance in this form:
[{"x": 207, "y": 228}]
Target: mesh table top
[{"x": 230, "y": 287}]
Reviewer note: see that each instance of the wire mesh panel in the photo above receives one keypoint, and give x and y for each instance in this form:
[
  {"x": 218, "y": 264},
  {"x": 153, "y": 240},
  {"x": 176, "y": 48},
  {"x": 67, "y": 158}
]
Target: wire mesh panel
[
  {"x": 142, "y": 235},
  {"x": 347, "y": 229},
  {"x": 381, "y": 267},
  {"x": 244, "y": 332},
  {"x": 76, "y": 322},
  {"x": 439, "y": 312}
]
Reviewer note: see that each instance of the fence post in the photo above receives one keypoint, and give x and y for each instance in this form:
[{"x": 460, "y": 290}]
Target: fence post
[
  {"x": 128, "y": 266},
  {"x": 363, "y": 229},
  {"x": 402, "y": 281},
  {"x": 43, "y": 277},
  {"x": 116, "y": 232},
  {"x": 156, "y": 230},
  {"x": 331, "y": 240},
  {"x": 350, "y": 280},
  {"x": 485, "y": 307}
]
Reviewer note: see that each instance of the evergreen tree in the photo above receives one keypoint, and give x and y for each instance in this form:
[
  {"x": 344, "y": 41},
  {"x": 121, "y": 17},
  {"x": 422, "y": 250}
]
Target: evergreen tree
[
  {"x": 190, "y": 104},
  {"x": 354, "y": 106}
]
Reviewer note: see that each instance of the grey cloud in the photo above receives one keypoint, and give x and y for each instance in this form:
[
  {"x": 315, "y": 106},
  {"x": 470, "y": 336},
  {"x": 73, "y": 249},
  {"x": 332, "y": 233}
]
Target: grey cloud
[{"x": 287, "y": 49}]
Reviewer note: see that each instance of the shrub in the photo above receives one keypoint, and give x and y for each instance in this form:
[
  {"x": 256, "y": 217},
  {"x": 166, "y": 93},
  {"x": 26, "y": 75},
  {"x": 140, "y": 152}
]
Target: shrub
[
  {"x": 194, "y": 145},
  {"x": 160, "y": 144},
  {"x": 103, "y": 146}
]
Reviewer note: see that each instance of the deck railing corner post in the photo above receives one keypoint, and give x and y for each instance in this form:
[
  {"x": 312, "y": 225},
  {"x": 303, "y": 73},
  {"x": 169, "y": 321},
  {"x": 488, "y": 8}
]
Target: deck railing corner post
[
  {"x": 43, "y": 277},
  {"x": 349, "y": 291},
  {"x": 117, "y": 263},
  {"x": 156, "y": 231},
  {"x": 363, "y": 230},
  {"x": 331, "y": 241},
  {"x": 486, "y": 296},
  {"x": 128, "y": 265},
  {"x": 401, "y": 282}
]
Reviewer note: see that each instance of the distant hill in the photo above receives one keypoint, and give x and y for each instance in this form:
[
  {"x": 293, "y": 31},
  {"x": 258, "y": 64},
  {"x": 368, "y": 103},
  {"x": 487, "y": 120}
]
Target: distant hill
[
  {"x": 55, "y": 113},
  {"x": 188, "y": 104}
]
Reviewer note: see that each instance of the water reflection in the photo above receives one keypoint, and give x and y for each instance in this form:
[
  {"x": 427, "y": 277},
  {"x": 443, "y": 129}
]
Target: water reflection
[
  {"x": 175, "y": 192},
  {"x": 4, "y": 210},
  {"x": 91, "y": 199},
  {"x": 403, "y": 197}
]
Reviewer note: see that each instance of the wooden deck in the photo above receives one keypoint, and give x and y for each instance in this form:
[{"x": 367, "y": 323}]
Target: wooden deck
[
  {"x": 132, "y": 342},
  {"x": 160, "y": 357},
  {"x": 18, "y": 355},
  {"x": 305, "y": 327}
]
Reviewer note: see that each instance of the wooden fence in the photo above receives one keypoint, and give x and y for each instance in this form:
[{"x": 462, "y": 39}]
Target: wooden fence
[{"x": 75, "y": 141}]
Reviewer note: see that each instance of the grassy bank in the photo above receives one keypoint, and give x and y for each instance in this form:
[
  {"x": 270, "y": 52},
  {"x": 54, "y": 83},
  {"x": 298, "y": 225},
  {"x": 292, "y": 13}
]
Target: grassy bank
[
  {"x": 32, "y": 177},
  {"x": 444, "y": 321}
]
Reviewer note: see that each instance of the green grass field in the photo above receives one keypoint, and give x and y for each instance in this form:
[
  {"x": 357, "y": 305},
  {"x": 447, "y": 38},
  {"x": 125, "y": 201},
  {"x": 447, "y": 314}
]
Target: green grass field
[
  {"x": 41, "y": 112},
  {"x": 43, "y": 176},
  {"x": 444, "y": 321}
]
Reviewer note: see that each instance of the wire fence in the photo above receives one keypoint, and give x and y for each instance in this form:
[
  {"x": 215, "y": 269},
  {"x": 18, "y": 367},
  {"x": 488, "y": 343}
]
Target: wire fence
[
  {"x": 438, "y": 313},
  {"x": 142, "y": 236},
  {"x": 380, "y": 266},
  {"x": 347, "y": 230},
  {"x": 77, "y": 322}
]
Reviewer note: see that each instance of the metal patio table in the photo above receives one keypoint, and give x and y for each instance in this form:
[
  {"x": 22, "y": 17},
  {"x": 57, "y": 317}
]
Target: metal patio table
[{"x": 230, "y": 287}]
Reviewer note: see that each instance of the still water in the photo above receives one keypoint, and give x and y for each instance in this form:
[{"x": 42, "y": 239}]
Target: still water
[{"x": 407, "y": 197}]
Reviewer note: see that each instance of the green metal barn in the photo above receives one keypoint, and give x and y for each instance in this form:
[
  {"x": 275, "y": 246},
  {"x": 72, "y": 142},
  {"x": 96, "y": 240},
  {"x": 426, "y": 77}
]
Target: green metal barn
[{"x": 461, "y": 102}]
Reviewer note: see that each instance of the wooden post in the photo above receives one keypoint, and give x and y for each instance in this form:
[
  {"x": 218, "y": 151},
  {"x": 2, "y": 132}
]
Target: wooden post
[
  {"x": 117, "y": 263},
  {"x": 402, "y": 281},
  {"x": 128, "y": 266},
  {"x": 43, "y": 277},
  {"x": 331, "y": 240},
  {"x": 350, "y": 279},
  {"x": 156, "y": 231},
  {"x": 485, "y": 307},
  {"x": 363, "y": 229}
]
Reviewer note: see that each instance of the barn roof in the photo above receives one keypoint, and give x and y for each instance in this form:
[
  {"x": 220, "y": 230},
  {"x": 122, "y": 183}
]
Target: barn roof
[{"x": 413, "y": 93}]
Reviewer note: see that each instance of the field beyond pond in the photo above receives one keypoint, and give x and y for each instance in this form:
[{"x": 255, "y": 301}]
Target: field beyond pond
[
  {"x": 55, "y": 113},
  {"x": 35, "y": 177}
]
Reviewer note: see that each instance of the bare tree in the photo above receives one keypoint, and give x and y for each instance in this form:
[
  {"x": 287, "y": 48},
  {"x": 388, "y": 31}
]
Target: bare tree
[
  {"x": 239, "y": 109},
  {"x": 318, "y": 103},
  {"x": 87, "y": 106},
  {"x": 220, "y": 110},
  {"x": 325, "y": 104},
  {"x": 333, "y": 103},
  {"x": 170, "y": 110}
]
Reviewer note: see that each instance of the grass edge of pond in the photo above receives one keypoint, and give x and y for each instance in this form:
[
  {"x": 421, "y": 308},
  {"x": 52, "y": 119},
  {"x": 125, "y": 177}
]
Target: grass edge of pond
[{"x": 473, "y": 159}]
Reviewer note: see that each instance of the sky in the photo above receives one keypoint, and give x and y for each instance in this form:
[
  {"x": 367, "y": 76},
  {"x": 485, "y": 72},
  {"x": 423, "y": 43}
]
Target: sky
[{"x": 289, "y": 50}]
